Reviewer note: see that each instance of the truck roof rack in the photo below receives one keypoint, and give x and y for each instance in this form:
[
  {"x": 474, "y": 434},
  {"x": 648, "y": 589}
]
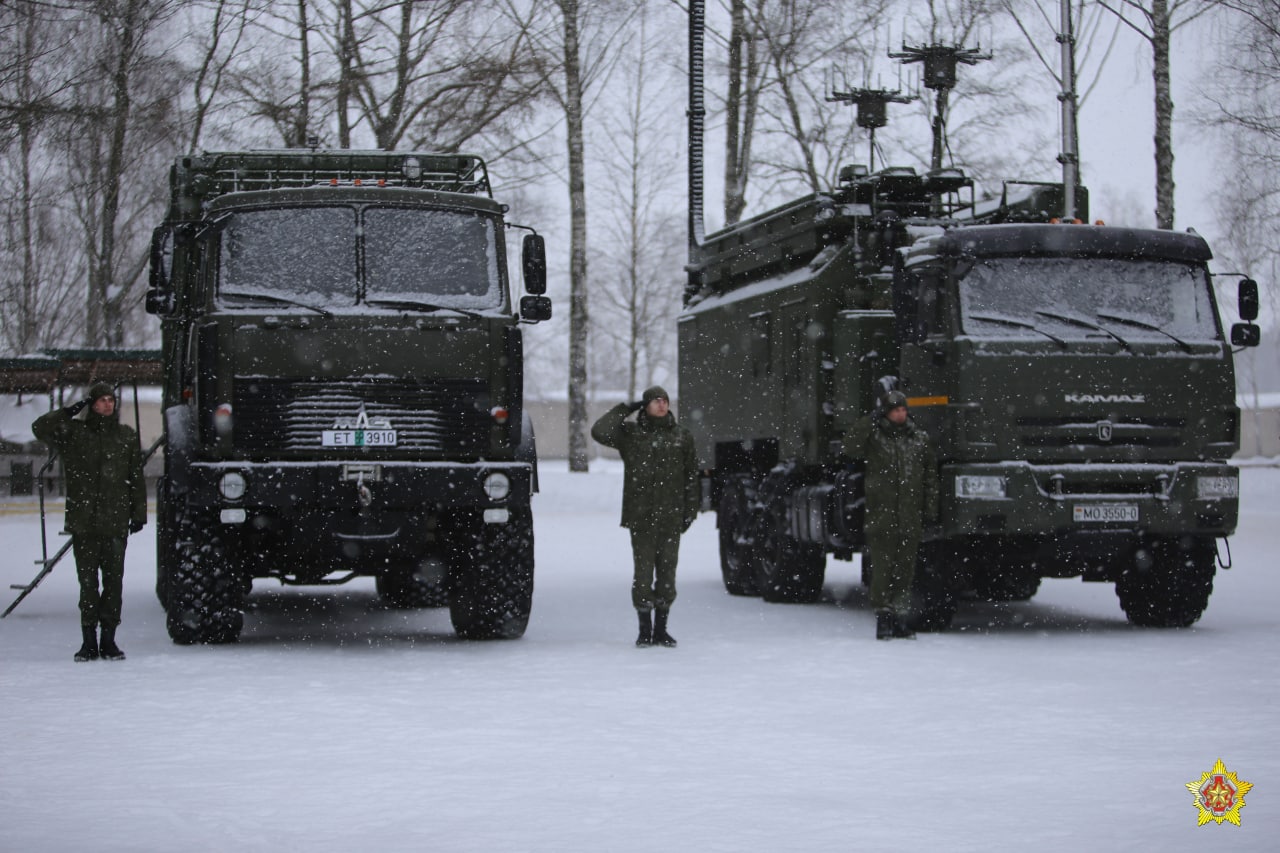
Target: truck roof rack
[{"x": 214, "y": 173}]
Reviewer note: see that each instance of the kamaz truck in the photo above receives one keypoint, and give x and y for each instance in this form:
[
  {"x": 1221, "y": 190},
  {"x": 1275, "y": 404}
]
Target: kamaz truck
[
  {"x": 342, "y": 391},
  {"x": 1076, "y": 379}
]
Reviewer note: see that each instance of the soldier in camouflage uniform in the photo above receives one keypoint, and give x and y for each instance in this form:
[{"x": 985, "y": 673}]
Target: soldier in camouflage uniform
[
  {"x": 106, "y": 501},
  {"x": 902, "y": 497},
  {"x": 660, "y": 498}
]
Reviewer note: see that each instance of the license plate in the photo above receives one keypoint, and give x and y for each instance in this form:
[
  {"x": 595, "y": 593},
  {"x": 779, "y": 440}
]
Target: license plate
[
  {"x": 358, "y": 438},
  {"x": 1105, "y": 512}
]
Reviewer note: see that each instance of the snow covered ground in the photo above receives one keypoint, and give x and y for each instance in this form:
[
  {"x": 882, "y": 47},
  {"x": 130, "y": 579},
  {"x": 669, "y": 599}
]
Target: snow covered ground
[{"x": 336, "y": 725}]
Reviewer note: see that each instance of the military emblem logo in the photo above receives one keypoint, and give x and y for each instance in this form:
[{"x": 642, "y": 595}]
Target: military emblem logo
[{"x": 1219, "y": 795}]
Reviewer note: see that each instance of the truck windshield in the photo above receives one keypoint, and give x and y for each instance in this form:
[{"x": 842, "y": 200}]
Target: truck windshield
[
  {"x": 1079, "y": 298},
  {"x": 300, "y": 254},
  {"x": 443, "y": 257},
  {"x": 308, "y": 256}
]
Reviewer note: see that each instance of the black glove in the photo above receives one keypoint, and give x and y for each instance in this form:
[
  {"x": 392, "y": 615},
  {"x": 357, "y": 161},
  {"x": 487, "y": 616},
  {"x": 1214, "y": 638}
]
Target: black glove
[
  {"x": 77, "y": 407},
  {"x": 636, "y": 405},
  {"x": 135, "y": 526}
]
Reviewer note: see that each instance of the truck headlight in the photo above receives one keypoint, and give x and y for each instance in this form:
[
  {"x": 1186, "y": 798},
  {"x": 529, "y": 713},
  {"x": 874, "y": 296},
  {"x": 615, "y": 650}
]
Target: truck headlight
[
  {"x": 979, "y": 486},
  {"x": 232, "y": 486},
  {"x": 497, "y": 487},
  {"x": 1211, "y": 488}
]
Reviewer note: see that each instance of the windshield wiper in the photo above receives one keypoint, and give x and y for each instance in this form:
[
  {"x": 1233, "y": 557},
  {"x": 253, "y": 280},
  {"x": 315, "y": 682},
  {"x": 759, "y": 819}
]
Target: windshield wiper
[
  {"x": 279, "y": 300},
  {"x": 415, "y": 305},
  {"x": 1143, "y": 324},
  {"x": 1080, "y": 321},
  {"x": 1021, "y": 324}
]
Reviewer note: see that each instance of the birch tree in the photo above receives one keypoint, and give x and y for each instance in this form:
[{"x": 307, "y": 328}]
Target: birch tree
[
  {"x": 643, "y": 226},
  {"x": 1156, "y": 21}
]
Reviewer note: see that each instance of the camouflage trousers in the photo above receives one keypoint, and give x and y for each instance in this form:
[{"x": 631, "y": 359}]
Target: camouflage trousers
[
  {"x": 893, "y": 570},
  {"x": 99, "y": 557},
  {"x": 655, "y": 550}
]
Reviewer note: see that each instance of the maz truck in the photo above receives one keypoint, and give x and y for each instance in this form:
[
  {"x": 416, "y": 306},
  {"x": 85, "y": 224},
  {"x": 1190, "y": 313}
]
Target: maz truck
[{"x": 343, "y": 378}]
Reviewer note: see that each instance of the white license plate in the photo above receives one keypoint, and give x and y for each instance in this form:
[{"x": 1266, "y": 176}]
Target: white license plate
[
  {"x": 358, "y": 438},
  {"x": 1105, "y": 512}
]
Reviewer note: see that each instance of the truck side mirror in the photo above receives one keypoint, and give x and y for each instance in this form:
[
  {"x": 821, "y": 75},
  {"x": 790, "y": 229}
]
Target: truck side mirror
[
  {"x": 906, "y": 306},
  {"x": 535, "y": 309},
  {"x": 160, "y": 296},
  {"x": 159, "y": 266},
  {"x": 533, "y": 257},
  {"x": 1246, "y": 335},
  {"x": 159, "y": 302},
  {"x": 1248, "y": 299}
]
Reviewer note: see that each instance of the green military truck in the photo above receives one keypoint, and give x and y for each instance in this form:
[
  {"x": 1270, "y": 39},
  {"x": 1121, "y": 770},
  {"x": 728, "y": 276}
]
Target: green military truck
[
  {"x": 342, "y": 392},
  {"x": 1077, "y": 380}
]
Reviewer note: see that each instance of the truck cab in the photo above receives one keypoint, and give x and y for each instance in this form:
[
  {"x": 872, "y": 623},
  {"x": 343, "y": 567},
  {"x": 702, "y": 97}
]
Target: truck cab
[{"x": 343, "y": 390}]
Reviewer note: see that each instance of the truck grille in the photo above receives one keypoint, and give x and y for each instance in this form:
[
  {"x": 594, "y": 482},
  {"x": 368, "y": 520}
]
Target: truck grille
[
  {"x": 433, "y": 416},
  {"x": 1082, "y": 431}
]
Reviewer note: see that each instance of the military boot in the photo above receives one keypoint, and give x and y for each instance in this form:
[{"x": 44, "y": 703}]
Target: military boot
[
  {"x": 646, "y": 629},
  {"x": 89, "y": 648},
  {"x": 885, "y": 624},
  {"x": 109, "y": 649},
  {"x": 660, "y": 635},
  {"x": 901, "y": 627}
]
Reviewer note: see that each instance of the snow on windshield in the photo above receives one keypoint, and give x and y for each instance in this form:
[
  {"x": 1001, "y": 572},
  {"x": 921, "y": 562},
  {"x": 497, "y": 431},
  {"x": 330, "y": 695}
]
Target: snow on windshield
[
  {"x": 307, "y": 256},
  {"x": 444, "y": 257},
  {"x": 1138, "y": 299}
]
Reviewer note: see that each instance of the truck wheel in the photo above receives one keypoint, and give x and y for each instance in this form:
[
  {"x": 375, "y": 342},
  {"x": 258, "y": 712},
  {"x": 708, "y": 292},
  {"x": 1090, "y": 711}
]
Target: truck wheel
[
  {"x": 787, "y": 571},
  {"x": 491, "y": 582},
  {"x": 422, "y": 584},
  {"x": 205, "y": 587},
  {"x": 1174, "y": 590},
  {"x": 933, "y": 600},
  {"x": 737, "y": 544}
]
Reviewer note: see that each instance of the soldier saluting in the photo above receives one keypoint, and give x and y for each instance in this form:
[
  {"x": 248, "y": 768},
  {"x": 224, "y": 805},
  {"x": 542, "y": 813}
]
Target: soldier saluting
[
  {"x": 106, "y": 501},
  {"x": 902, "y": 497},
  {"x": 660, "y": 499}
]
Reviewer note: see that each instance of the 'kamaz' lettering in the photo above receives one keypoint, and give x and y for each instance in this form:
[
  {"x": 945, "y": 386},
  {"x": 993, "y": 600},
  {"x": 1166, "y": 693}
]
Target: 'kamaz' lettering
[{"x": 1106, "y": 398}]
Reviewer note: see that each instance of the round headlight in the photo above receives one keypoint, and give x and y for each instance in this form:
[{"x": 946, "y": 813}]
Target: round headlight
[
  {"x": 232, "y": 486},
  {"x": 497, "y": 486}
]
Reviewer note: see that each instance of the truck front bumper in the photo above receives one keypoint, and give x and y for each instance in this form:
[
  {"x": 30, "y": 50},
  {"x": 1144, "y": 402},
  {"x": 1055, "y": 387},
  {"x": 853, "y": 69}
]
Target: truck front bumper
[
  {"x": 281, "y": 489},
  {"x": 1018, "y": 498}
]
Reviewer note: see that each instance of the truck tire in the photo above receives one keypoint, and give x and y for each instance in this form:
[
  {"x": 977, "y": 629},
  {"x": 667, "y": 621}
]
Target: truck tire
[
  {"x": 1174, "y": 591},
  {"x": 787, "y": 571},
  {"x": 206, "y": 589},
  {"x": 737, "y": 544},
  {"x": 491, "y": 582},
  {"x": 165, "y": 528},
  {"x": 409, "y": 587}
]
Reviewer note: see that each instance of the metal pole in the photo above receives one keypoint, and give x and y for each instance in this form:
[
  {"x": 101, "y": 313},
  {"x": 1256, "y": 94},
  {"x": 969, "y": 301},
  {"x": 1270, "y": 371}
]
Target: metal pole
[
  {"x": 697, "y": 114},
  {"x": 1070, "y": 156}
]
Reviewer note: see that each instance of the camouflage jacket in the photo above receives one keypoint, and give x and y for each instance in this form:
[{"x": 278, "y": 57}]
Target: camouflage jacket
[
  {"x": 103, "y": 465},
  {"x": 660, "y": 479},
  {"x": 901, "y": 475}
]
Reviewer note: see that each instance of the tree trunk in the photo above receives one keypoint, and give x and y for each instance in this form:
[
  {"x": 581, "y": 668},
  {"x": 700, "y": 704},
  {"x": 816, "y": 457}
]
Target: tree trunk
[
  {"x": 1160, "y": 28},
  {"x": 578, "y": 316},
  {"x": 735, "y": 175},
  {"x": 302, "y": 115},
  {"x": 105, "y": 325},
  {"x": 346, "y": 47}
]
